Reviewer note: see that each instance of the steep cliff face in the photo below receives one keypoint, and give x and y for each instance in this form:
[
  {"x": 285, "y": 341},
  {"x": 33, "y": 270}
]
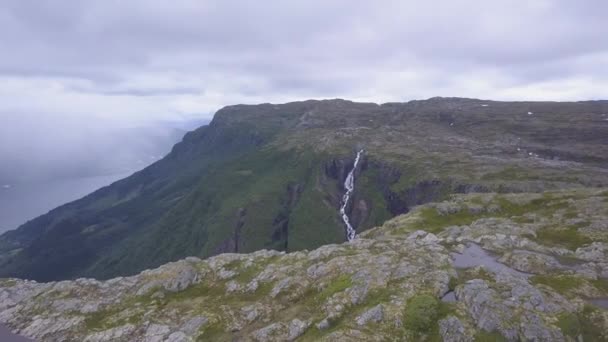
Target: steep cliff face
[
  {"x": 497, "y": 267},
  {"x": 271, "y": 177}
]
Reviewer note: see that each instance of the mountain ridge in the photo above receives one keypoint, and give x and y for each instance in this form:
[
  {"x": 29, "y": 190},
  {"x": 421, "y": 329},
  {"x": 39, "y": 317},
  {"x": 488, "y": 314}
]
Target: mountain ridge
[{"x": 270, "y": 176}]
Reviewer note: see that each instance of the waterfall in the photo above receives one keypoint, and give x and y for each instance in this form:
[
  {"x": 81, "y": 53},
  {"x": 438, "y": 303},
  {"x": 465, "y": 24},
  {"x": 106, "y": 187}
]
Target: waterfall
[{"x": 349, "y": 185}]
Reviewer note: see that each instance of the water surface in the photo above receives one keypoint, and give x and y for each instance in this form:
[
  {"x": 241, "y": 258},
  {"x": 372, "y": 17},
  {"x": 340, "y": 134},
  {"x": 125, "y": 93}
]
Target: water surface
[
  {"x": 7, "y": 336},
  {"x": 21, "y": 202},
  {"x": 474, "y": 256}
]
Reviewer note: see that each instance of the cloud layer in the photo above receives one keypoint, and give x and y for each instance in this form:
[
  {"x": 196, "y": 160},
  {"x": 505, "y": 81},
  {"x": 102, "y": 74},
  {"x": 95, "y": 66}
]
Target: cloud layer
[{"x": 142, "y": 59}]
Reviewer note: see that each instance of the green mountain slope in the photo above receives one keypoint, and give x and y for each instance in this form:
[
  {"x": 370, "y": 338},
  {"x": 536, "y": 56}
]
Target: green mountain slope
[{"x": 270, "y": 176}]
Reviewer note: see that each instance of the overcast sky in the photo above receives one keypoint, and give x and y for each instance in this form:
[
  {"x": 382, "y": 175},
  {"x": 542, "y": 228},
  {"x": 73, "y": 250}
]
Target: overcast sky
[{"x": 142, "y": 60}]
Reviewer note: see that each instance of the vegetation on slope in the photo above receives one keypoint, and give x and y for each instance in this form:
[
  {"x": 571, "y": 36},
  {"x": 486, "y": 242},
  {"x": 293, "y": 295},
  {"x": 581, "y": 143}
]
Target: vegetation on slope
[{"x": 270, "y": 176}]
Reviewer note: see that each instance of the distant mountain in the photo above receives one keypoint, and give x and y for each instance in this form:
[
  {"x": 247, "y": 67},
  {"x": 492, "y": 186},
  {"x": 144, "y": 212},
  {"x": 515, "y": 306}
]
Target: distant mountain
[{"x": 271, "y": 176}]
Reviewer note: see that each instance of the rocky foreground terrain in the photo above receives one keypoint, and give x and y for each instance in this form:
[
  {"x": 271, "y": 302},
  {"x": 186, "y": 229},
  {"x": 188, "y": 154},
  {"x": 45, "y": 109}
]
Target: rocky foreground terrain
[{"x": 478, "y": 267}]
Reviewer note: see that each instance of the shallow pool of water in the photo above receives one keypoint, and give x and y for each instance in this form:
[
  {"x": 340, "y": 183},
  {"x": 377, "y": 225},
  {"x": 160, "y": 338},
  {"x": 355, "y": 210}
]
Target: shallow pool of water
[
  {"x": 7, "y": 336},
  {"x": 600, "y": 302},
  {"x": 474, "y": 256}
]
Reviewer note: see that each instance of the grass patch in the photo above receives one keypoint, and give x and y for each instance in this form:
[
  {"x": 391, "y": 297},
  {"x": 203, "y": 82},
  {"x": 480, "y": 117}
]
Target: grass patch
[
  {"x": 7, "y": 282},
  {"x": 214, "y": 332},
  {"x": 421, "y": 314},
  {"x": 585, "y": 323},
  {"x": 560, "y": 283},
  {"x": 484, "y": 336},
  {"x": 600, "y": 284},
  {"x": 432, "y": 221},
  {"x": 453, "y": 283},
  {"x": 475, "y": 273},
  {"x": 569, "y": 237},
  {"x": 339, "y": 284}
]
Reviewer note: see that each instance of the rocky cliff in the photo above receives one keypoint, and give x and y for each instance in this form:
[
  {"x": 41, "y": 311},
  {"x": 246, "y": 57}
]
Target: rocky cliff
[
  {"x": 271, "y": 177},
  {"x": 483, "y": 267}
]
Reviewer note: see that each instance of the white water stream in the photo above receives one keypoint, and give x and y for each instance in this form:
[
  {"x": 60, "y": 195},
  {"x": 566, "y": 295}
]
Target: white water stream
[{"x": 349, "y": 185}]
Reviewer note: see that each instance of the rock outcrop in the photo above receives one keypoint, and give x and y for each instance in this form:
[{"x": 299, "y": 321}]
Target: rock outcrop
[{"x": 385, "y": 285}]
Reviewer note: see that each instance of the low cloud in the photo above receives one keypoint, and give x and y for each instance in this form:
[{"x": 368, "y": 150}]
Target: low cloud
[{"x": 69, "y": 65}]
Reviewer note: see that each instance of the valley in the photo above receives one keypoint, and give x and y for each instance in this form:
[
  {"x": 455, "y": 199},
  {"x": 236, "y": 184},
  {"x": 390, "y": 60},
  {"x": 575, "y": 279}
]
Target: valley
[{"x": 272, "y": 177}]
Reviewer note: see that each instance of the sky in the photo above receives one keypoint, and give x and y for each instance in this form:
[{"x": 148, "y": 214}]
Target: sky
[
  {"x": 141, "y": 60},
  {"x": 74, "y": 69}
]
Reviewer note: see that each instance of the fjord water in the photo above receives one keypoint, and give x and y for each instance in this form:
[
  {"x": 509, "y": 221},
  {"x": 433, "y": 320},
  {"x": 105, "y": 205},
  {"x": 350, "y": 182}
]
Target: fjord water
[{"x": 24, "y": 201}]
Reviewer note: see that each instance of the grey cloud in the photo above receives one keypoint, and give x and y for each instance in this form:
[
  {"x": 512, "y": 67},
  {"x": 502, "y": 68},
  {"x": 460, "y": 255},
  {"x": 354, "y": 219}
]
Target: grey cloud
[
  {"x": 249, "y": 50},
  {"x": 75, "y": 73},
  {"x": 140, "y": 91}
]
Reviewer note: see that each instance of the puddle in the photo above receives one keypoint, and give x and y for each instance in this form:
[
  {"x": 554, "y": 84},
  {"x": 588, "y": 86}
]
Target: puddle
[
  {"x": 7, "y": 336},
  {"x": 474, "y": 256},
  {"x": 599, "y": 302},
  {"x": 449, "y": 297}
]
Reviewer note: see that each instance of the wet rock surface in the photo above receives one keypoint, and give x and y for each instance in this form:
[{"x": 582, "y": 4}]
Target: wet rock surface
[{"x": 479, "y": 266}]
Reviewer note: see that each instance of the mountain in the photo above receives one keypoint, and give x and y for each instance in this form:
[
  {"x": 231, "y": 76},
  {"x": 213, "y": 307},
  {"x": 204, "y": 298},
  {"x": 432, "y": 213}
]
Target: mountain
[
  {"x": 479, "y": 267},
  {"x": 271, "y": 177}
]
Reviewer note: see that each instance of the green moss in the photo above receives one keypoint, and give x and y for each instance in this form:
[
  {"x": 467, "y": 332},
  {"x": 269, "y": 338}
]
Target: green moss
[
  {"x": 432, "y": 221},
  {"x": 214, "y": 332},
  {"x": 421, "y": 314},
  {"x": 453, "y": 283},
  {"x": 560, "y": 283},
  {"x": 569, "y": 324},
  {"x": 7, "y": 282},
  {"x": 600, "y": 284},
  {"x": 484, "y": 336},
  {"x": 106, "y": 319},
  {"x": 586, "y": 323},
  {"x": 475, "y": 273},
  {"x": 566, "y": 237},
  {"x": 339, "y": 284},
  {"x": 196, "y": 291}
]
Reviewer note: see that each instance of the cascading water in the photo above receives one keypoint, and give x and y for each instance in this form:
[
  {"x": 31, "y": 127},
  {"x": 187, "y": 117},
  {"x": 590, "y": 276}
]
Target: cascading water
[{"x": 349, "y": 185}]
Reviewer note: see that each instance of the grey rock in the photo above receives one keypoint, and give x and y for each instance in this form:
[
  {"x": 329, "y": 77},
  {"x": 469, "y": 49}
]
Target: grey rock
[
  {"x": 280, "y": 286},
  {"x": 156, "y": 333},
  {"x": 226, "y": 274},
  {"x": 531, "y": 262},
  {"x": 374, "y": 314},
  {"x": 597, "y": 251},
  {"x": 251, "y": 312},
  {"x": 121, "y": 333},
  {"x": 178, "y": 336},
  {"x": 324, "y": 324},
  {"x": 297, "y": 329},
  {"x": 486, "y": 308},
  {"x": 232, "y": 286},
  {"x": 267, "y": 333},
  {"x": 452, "y": 330},
  {"x": 191, "y": 326}
]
